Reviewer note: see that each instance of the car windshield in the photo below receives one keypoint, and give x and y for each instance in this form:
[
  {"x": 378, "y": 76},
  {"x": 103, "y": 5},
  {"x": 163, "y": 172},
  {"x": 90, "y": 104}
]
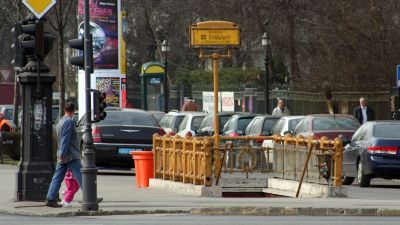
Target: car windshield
[
  {"x": 386, "y": 131},
  {"x": 196, "y": 122},
  {"x": 338, "y": 123},
  {"x": 243, "y": 122},
  {"x": 269, "y": 124},
  {"x": 8, "y": 114},
  {"x": 293, "y": 123},
  {"x": 223, "y": 120},
  {"x": 128, "y": 118}
]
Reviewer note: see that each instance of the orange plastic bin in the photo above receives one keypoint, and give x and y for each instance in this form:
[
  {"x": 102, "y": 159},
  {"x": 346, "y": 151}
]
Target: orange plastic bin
[{"x": 144, "y": 167}]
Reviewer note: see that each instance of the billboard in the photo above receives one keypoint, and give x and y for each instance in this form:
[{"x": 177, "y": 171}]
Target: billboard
[{"x": 104, "y": 16}]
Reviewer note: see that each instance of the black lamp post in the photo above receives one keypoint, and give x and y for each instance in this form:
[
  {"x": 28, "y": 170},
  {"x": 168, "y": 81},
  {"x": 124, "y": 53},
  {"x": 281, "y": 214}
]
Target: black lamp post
[
  {"x": 266, "y": 43},
  {"x": 165, "y": 49}
]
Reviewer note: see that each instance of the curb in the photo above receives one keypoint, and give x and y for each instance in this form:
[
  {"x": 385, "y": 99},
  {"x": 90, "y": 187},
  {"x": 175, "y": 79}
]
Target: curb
[
  {"x": 97, "y": 213},
  {"x": 294, "y": 211}
]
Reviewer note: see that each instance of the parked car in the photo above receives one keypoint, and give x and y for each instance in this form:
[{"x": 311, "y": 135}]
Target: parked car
[
  {"x": 331, "y": 126},
  {"x": 122, "y": 131},
  {"x": 373, "y": 152},
  {"x": 260, "y": 126},
  {"x": 237, "y": 124},
  {"x": 7, "y": 111},
  {"x": 171, "y": 121},
  {"x": 283, "y": 125},
  {"x": 190, "y": 124},
  {"x": 207, "y": 125},
  {"x": 158, "y": 115}
]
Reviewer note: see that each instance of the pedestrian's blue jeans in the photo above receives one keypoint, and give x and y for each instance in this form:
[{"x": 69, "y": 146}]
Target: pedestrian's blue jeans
[{"x": 59, "y": 174}]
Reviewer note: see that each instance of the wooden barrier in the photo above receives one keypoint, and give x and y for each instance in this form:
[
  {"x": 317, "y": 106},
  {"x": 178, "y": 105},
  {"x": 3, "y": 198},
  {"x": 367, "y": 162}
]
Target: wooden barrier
[{"x": 189, "y": 160}]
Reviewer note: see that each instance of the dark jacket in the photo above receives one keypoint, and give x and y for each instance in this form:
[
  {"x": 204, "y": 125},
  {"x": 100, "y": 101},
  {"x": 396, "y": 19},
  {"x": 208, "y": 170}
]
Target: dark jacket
[{"x": 357, "y": 113}]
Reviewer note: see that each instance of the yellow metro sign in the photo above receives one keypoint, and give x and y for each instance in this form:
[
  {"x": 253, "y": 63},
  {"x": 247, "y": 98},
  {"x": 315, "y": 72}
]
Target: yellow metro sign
[
  {"x": 39, "y": 7},
  {"x": 214, "y": 34}
]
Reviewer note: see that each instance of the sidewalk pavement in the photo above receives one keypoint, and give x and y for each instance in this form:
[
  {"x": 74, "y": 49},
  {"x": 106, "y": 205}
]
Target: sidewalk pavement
[{"x": 121, "y": 197}]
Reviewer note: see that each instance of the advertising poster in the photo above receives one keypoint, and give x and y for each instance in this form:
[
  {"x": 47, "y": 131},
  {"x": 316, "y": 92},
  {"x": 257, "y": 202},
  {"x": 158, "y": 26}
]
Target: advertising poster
[
  {"x": 225, "y": 101},
  {"x": 104, "y": 27},
  {"x": 110, "y": 86}
]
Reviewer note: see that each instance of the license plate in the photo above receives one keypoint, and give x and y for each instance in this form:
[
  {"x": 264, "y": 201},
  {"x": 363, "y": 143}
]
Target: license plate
[{"x": 126, "y": 151}]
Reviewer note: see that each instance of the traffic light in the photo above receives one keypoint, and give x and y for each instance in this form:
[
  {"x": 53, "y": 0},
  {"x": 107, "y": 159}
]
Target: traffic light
[
  {"x": 18, "y": 57},
  {"x": 33, "y": 42},
  {"x": 79, "y": 59},
  {"x": 99, "y": 105}
]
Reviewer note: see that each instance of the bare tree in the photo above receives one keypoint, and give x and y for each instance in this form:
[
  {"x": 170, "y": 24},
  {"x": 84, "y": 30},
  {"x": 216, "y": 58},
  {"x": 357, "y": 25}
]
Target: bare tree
[{"x": 59, "y": 18}]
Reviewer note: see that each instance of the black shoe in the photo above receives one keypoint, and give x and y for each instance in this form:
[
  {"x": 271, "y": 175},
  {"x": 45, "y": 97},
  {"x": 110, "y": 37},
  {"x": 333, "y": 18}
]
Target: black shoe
[{"x": 53, "y": 204}]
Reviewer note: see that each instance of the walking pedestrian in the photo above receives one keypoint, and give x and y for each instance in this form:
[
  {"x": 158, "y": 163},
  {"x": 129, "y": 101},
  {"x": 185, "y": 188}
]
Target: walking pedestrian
[
  {"x": 68, "y": 154},
  {"x": 281, "y": 109},
  {"x": 363, "y": 112}
]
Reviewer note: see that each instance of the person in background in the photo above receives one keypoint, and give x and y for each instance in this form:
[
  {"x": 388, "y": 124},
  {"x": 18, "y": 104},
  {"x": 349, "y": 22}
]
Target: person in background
[
  {"x": 5, "y": 125},
  {"x": 281, "y": 109},
  {"x": 363, "y": 113},
  {"x": 190, "y": 105}
]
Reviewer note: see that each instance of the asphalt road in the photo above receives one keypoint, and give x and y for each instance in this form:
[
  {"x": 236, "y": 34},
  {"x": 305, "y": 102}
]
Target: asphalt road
[
  {"x": 379, "y": 189},
  {"x": 192, "y": 220}
]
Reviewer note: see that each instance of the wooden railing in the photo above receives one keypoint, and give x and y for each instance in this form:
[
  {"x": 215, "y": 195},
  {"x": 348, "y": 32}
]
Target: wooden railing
[
  {"x": 197, "y": 161},
  {"x": 186, "y": 160}
]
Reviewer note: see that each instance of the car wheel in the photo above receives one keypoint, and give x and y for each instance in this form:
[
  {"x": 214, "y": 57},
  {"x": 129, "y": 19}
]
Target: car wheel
[
  {"x": 363, "y": 180},
  {"x": 347, "y": 180}
]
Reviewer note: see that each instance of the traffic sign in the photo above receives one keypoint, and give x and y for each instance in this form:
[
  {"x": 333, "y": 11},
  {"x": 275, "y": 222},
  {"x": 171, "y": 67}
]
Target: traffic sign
[
  {"x": 39, "y": 7},
  {"x": 214, "y": 34},
  {"x": 398, "y": 75}
]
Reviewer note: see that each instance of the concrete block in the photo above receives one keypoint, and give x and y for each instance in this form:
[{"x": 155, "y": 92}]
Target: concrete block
[
  {"x": 305, "y": 211},
  {"x": 389, "y": 212},
  {"x": 275, "y": 211},
  {"x": 289, "y": 211},
  {"x": 334, "y": 211},
  {"x": 318, "y": 211},
  {"x": 187, "y": 189},
  {"x": 351, "y": 212},
  {"x": 368, "y": 212},
  {"x": 249, "y": 211},
  {"x": 233, "y": 211},
  {"x": 219, "y": 211},
  {"x": 337, "y": 192}
]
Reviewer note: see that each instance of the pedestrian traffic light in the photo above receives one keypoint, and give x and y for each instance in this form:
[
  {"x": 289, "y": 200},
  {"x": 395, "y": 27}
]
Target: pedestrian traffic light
[
  {"x": 99, "y": 106},
  {"x": 18, "y": 57},
  {"x": 79, "y": 58}
]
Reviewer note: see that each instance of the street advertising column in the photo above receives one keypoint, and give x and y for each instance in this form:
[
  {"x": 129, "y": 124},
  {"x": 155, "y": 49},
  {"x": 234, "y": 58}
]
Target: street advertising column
[{"x": 109, "y": 58}]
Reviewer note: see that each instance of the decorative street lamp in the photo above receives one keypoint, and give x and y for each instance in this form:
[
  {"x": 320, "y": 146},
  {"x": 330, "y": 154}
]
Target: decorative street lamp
[
  {"x": 266, "y": 43},
  {"x": 165, "y": 49}
]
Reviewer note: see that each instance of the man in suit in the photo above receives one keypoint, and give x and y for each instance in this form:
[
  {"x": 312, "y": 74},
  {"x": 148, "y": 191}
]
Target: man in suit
[{"x": 363, "y": 113}]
